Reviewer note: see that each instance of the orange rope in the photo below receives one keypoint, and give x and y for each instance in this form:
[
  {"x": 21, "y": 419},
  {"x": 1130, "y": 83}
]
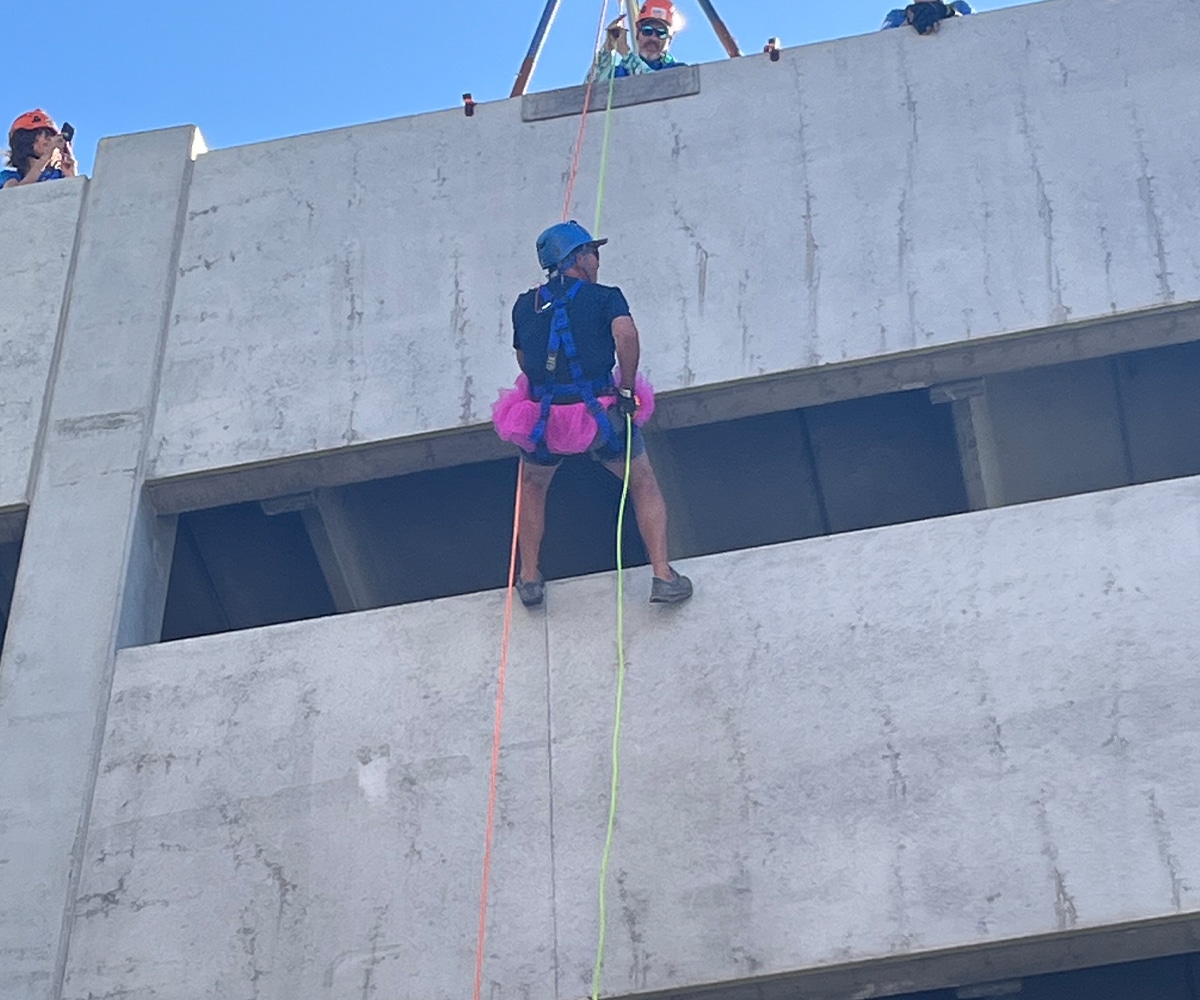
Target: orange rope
[
  {"x": 512, "y": 575},
  {"x": 587, "y": 103},
  {"x": 491, "y": 810}
]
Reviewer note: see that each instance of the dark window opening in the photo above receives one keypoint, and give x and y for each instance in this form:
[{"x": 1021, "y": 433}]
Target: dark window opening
[
  {"x": 1173, "y": 978},
  {"x": 10, "y": 556},
  {"x": 826, "y": 469},
  {"x": 1094, "y": 425},
  {"x": 236, "y": 567},
  {"x": 736, "y": 484},
  {"x": 448, "y": 531}
]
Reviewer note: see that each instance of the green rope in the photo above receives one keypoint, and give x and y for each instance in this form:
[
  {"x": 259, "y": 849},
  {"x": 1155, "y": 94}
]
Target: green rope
[
  {"x": 604, "y": 151},
  {"x": 616, "y": 739}
]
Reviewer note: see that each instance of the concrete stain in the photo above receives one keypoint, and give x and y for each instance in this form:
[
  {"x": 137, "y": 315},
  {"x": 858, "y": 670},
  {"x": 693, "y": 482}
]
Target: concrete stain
[{"x": 77, "y": 427}]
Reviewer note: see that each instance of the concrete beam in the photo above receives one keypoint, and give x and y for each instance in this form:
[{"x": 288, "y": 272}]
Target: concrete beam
[
  {"x": 976, "y": 440},
  {"x": 339, "y": 550},
  {"x": 742, "y": 398}
]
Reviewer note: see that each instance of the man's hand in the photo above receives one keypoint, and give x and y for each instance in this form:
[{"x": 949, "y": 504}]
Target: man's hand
[
  {"x": 67, "y": 162},
  {"x": 627, "y": 402},
  {"x": 616, "y": 37}
]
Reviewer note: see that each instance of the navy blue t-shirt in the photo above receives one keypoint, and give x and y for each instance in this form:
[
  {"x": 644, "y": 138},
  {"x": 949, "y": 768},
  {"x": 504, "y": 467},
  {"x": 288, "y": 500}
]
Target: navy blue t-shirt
[{"x": 591, "y": 312}]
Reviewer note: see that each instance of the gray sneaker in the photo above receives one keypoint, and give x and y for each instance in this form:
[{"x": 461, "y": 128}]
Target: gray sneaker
[
  {"x": 673, "y": 591},
  {"x": 531, "y": 592}
]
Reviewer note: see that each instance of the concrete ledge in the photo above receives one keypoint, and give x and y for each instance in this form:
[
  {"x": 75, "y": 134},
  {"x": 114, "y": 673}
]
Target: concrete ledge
[
  {"x": 681, "y": 82},
  {"x": 707, "y": 404}
]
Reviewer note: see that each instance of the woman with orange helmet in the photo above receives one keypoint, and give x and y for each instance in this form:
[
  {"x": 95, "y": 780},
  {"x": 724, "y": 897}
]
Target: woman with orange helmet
[
  {"x": 657, "y": 23},
  {"x": 37, "y": 151}
]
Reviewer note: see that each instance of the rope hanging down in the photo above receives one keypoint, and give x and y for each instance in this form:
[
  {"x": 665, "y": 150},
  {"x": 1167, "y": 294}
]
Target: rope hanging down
[
  {"x": 583, "y": 116},
  {"x": 491, "y": 808},
  {"x": 616, "y": 737},
  {"x": 512, "y": 568}
]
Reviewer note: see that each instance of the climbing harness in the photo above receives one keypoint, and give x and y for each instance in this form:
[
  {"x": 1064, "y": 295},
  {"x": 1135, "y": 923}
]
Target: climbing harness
[{"x": 580, "y": 388}]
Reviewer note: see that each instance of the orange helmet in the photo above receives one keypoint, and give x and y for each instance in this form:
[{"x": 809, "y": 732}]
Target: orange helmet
[
  {"x": 658, "y": 10},
  {"x": 35, "y": 119}
]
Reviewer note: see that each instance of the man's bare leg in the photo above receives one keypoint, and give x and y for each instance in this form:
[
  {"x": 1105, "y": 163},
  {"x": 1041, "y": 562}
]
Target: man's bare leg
[
  {"x": 535, "y": 482},
  {"x": 649, "y": 507}
]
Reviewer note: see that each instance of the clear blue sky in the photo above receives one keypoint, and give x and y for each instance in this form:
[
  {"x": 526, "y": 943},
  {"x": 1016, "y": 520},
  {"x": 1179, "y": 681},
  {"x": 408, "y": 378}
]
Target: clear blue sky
[{"x": 250, "y": 71}]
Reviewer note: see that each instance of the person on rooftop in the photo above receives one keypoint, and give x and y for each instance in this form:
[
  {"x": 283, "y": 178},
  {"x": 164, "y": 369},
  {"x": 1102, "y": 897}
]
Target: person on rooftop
[
  {"x": 37, "y": 151},
  {"x": 568, "y": 334},
  {"x": 657, "y": 23},
  {"x": 924, "y": 15}
]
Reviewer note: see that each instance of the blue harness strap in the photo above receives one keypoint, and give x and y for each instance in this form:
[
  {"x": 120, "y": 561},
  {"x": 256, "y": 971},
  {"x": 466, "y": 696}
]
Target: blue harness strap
[{"x": 583, "y": 389}]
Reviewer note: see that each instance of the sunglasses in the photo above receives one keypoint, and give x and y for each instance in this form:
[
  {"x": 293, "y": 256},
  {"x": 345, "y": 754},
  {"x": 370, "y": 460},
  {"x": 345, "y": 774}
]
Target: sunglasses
[
  {"x": 593, "y": 250},
  {"x": 650, "y": 30}
]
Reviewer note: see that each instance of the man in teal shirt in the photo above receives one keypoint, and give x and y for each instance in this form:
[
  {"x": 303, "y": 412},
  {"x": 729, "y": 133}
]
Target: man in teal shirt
[{"x": 656, "y": 25}]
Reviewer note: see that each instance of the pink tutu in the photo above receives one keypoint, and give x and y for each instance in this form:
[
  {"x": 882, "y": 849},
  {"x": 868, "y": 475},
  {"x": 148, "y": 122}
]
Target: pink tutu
[{"x": 570, "y": 429}]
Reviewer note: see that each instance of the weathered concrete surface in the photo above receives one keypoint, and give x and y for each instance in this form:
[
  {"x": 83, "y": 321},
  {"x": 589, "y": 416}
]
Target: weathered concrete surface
[
  {"x": 311, "y": 822},
  {"x": 39, "y": 224},
  {"x": 855, "y": 201},
  {"x": 945, "y": 734},
  {"x": 89, "y": 539}
]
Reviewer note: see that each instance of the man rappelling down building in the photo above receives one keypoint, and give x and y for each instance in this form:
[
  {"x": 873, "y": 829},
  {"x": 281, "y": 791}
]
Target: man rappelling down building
[{"x": 568, "y": 333}]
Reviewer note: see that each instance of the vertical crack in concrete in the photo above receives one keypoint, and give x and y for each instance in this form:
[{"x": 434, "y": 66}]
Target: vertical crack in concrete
[
  {"x": 1115, "y": 740},
  {"x": 373, "y": 956},
  {"x": 748, "y": 360},
  {"x": 458, "y": 323},
  {"x": 1108, "y": 259},
  {"x": 997, "y": 750},
  {"x": 985, "y": 241},
  {"x": 903, "y": 237},
  {"x": 898, "y": 781},
  {"x": 812, "y": 268},
  {"x": 686, "y": 376},
  {"x": 1059, "y": 312},
  {"x": 1064, "y": 903},
  {"x": 1169, "y": 859},
  {"x": 1154, "y": 221}
]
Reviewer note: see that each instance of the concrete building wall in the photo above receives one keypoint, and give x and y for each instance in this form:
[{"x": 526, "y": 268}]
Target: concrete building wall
[
  {"x": 949, "y": 734},
  {"x": 853, "y": 201},
  {"x": 939, "y": 735}
]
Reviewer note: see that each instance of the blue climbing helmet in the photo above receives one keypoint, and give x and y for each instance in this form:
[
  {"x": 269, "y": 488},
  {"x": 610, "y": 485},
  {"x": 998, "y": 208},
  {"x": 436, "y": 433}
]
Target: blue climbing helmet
[{"x": 558, "y": 244}]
